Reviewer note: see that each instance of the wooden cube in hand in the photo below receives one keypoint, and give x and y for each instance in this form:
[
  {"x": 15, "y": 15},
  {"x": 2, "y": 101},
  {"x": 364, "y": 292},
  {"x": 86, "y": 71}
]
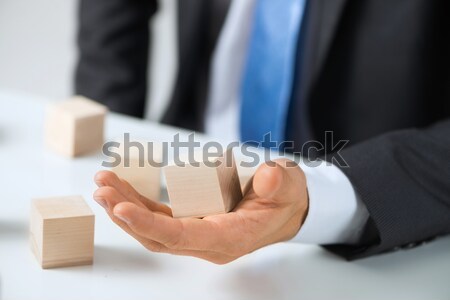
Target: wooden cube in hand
[{"x": 204, "y": 190}]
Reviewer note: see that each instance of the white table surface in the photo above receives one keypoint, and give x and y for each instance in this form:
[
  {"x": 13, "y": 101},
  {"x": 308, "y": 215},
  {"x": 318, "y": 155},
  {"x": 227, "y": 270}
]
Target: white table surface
[{"x": 123, "y": 269}]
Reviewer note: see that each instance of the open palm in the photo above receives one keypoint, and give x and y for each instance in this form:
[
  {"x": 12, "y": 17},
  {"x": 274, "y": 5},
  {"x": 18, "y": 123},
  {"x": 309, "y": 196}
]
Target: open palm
[{"x": 272, "y": 210}]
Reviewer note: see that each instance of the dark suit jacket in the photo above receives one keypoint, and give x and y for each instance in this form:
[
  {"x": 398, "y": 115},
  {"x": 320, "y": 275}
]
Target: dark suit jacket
[
  {"x": 375, "y": 72},
  {"x": 114, "y": 41}
]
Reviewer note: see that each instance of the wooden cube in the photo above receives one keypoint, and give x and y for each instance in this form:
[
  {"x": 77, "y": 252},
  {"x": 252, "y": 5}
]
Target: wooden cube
[
  {"x": 62, "y": 232},
  {"x": 203, "y": 190},
  {"x": 75, "y": 127},
  {"x": 135, "y": 168}
]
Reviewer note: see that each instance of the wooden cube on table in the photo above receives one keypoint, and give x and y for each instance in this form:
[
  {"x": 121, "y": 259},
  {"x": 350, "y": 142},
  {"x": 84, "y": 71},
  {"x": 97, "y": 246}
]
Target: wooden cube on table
[
  {"x": 75, "y": 127},
  {"x": 204, "y": 190},
  {"x": 62, "y": 231},
  {"x": 136, "y": 169}
]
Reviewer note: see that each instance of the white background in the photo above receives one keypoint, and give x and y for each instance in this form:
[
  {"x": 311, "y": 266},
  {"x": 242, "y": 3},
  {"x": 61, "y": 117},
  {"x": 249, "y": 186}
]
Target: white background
[{"x": 38, "y": 50}]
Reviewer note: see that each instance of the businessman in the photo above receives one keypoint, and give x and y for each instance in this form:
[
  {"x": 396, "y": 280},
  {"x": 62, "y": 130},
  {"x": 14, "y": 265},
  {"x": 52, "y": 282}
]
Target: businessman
[{"x": 376, "y": 73}]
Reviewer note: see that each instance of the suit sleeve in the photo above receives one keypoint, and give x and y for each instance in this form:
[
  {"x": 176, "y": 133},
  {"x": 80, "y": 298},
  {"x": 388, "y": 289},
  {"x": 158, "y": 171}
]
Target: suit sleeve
[
  {"x": 113, "y": 43},
  {"x": 403, "y": 178}
]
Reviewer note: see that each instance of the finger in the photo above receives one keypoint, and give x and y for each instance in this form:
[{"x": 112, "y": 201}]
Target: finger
[
  {"x": 211, "y": 256},
  {"x": 177, "y": 234},
  {"x": 268, "y": 180},
  {"x": 275, "y": 181},
  {"x": 108, "y": 197},
  {"x": 150, "y": 204},
  {"x": 150, "y": 245},
  {"x": 112, "y": 197},
  {"x": 108, "y": 178},
  {"x": 215, "y": 257}
]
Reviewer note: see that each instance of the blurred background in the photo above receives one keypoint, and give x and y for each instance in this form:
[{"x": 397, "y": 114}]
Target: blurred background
[{"x": 38, "y": 49}]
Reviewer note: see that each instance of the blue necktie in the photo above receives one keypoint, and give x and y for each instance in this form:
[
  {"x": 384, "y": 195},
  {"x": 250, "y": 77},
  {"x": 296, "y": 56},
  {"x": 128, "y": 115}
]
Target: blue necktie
[{"x": 269, "y": 70}]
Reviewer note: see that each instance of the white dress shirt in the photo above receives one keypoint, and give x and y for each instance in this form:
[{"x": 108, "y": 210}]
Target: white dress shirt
[{"x": 335, "y": 215}]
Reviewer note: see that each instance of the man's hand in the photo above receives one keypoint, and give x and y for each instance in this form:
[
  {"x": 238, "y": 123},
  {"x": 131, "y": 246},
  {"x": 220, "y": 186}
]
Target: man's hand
[{"x": 273, "y": 209}]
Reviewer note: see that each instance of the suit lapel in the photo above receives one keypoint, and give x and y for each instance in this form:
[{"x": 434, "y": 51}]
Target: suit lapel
[{"x": 317, "y": 33}]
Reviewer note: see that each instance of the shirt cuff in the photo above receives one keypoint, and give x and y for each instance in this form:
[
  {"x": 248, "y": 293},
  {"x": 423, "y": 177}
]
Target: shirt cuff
[{"x": 336, "y": 215}]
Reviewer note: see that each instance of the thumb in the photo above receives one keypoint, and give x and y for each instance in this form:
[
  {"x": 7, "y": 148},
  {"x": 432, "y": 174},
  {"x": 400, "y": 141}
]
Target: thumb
[{"x": 278, "y": 180}]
